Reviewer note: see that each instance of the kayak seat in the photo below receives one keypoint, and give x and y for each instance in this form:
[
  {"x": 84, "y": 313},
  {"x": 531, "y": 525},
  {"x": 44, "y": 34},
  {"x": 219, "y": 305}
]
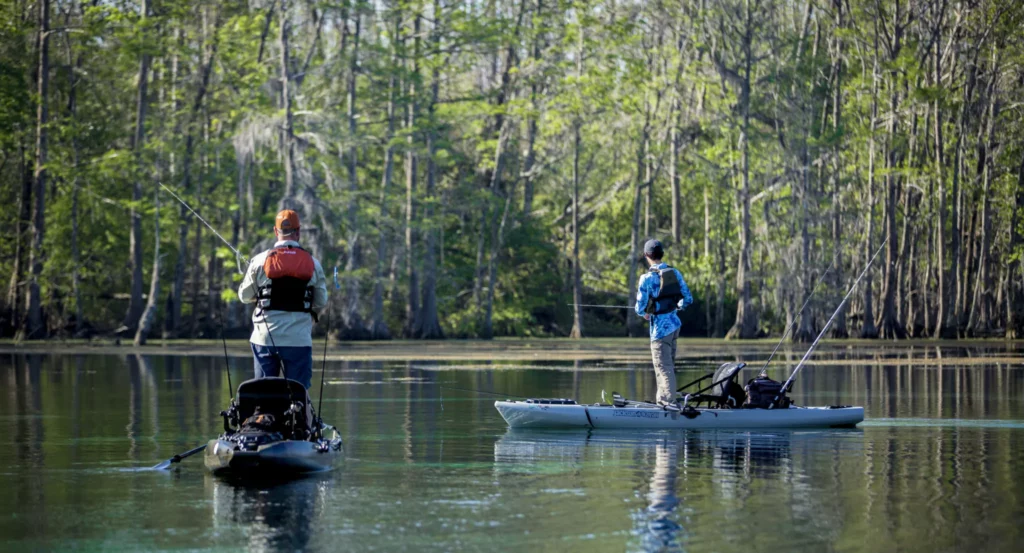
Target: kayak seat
[
  {"x": 724, "y": 391},
  {"x": 274, "y": 396}
]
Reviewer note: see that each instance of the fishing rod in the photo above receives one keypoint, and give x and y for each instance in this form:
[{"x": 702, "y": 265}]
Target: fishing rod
[
  {"x": 814, "y": 344},
  {"x": 802, "y": 307},
  {"x": 605, "y": 306},
  {"x": 323, "y": 367},
  {"x": 227, "y": 364},
  {"x": 231, "y": 396},
  {"x": 239, "y": 261},
  {"x": 238, "y": 256}
]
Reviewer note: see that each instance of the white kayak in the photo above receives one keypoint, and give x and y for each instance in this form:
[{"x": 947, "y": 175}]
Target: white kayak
[{"x": 542, "y": 413}]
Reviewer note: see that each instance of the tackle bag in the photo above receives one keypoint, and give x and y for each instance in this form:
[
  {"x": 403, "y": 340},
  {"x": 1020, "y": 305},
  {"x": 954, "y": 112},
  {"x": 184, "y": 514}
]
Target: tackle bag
[{"x": 762, "y": 391}]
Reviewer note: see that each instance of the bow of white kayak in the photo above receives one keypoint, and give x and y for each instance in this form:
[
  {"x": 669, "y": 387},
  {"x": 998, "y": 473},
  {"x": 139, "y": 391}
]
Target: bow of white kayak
[{"x": 539, "y": 414}]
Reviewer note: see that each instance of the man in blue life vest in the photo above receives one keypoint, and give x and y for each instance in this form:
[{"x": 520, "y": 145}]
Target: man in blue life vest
[
  {"x": 288, "y": 287},
  {"x": 660, "y": 292}
]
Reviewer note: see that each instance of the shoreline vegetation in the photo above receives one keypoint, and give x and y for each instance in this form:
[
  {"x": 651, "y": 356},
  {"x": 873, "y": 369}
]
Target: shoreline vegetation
[
  {"x": 481, "y": 169},
  {"x": 613, "y": 350}
]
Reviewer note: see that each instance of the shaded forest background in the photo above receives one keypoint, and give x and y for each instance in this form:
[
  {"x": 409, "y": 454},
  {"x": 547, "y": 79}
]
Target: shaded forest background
[{"x": 474, "y": 168}]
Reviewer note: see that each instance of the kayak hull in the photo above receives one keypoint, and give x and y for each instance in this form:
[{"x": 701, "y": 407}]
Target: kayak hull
[
  {"x": 279, "y": 459},
  {"x": 519, "y": 414}
]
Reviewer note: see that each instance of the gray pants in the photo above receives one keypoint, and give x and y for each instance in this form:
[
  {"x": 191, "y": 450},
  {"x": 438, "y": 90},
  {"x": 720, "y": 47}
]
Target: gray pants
[{"x": 663, "y": 351}]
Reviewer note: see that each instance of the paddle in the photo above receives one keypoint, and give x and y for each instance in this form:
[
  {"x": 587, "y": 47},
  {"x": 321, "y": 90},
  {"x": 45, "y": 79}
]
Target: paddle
[{"x": 178, "y": 458}]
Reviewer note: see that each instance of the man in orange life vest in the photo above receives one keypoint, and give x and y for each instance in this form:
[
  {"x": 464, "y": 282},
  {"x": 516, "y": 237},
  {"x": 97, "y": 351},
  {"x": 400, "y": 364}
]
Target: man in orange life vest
[{"x": 288, "y": 287}]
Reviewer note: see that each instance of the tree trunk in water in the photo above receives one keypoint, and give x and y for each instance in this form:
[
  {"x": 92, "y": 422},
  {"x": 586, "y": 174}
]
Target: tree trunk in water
[
  {"x": 951, "y": 323},
  {"x": 719, "y": 331},
  {"x": 197, "y": 243},
  {"x": 868, "y": 328},
  {"x": 1015, "y": 296},
  {"x": 577, "y": 294},
  {"x": 378, "y": 327},
  {"x": 429, "y": 326},
  {"x": 75, "y": 184},
  {"x": 504, "y": 128},
  {"x": 135, "y": 305},
  {"x": 23, "y": 224},
  {"x": 673, "y": 171},
  {"x": 839, "y": 329},
  {"x": 412, "y": 306},
  {"x": 175, "y": 299},
  {"x": 708, "y": 317},
  {"x": 353, "y": 327},
  {"x": 986, "y": 315},
  {"x": 633, "y": 326},
  {"x": 531, "y": 131},
  {"x": 288, "y": 200},
  {"x": 497, "y": 232},
  {"x": 149, "y": 315},
  {"x": 745, "y": 326},
  {"x": 942, "y": 329},
  {"x": 889, "y": 323},
  {"x": 805, "y": 333},
  {"x": 76, "y": 290},
  {"x": 35, "y": 326}
]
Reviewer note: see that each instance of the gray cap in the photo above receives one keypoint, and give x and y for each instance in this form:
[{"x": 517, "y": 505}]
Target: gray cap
[{"x": 653, "y": 247}]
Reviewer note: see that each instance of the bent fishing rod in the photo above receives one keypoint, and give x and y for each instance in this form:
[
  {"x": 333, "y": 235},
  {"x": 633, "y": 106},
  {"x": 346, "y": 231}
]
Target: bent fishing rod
[
  {"x": 814, "y": 344},
  {"x": 239, "y": 261},
  {"x": 238, "y": 256},
  {"x": 227, "y": 368}
]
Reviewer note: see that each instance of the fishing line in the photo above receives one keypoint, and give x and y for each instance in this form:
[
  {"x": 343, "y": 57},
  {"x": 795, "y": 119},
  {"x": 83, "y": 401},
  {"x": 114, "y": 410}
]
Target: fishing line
[
  {"x": 802, "y": 307},
  {"x": 484, "y": 392},
  {"x": 829, "y": 322},
  {"x": 239, "y": 259},
  {"x": 323, "y": 367}
]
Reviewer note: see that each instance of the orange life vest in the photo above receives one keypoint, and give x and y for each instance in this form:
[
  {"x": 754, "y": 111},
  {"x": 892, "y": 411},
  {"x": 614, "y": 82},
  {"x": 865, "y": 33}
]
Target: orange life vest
[{"x": 289, "y": 268}]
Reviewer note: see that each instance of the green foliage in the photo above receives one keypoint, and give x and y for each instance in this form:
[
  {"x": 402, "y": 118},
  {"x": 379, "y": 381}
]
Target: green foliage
[{"x": 516, "y": 81}]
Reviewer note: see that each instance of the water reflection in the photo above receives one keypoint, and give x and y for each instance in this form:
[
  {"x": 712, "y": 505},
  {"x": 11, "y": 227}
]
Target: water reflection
[
  {"x": 657, "y": 526},
  {"x": 269, "y": 515},
  {"x": 683, "y": 480},
  {"x": 924, "y": 473}
]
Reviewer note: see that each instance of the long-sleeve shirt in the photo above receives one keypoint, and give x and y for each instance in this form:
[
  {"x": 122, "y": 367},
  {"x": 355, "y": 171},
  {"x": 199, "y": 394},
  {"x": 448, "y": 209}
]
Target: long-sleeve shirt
[
  {"x": 286, "y": 328},
  {"x": 648, "y": 288}
]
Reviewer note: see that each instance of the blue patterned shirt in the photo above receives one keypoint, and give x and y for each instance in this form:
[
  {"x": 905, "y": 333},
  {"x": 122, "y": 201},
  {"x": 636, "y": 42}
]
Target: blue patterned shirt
[{"x": 661, "y": 325}]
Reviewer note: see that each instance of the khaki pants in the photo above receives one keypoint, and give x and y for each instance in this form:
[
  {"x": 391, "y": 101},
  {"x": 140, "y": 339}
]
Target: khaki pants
[{"x": 663, "y": 351}]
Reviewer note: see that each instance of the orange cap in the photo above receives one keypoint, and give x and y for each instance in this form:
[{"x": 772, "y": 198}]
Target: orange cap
[{"x": 286, "y": 220}]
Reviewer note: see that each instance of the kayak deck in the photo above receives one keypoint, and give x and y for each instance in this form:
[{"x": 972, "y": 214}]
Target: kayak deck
[
  {"x": 281, "y": 458},
  {"x": 523, "y": 414}
]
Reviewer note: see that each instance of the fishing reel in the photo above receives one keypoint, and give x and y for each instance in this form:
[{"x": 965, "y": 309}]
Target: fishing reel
[
  {"x": 230, "y": 416},
  {"x": 298, "y": 423}
]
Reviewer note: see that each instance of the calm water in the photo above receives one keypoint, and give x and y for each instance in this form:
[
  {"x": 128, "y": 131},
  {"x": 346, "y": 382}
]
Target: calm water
[{"x": 939, "y": 465}]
